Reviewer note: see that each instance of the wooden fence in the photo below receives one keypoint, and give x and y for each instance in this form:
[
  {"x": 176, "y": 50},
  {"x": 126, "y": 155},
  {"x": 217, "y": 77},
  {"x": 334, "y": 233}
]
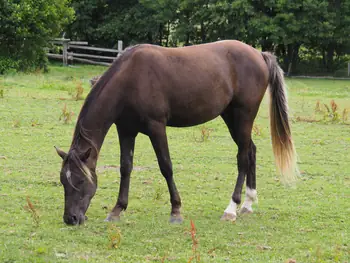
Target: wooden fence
[{"x": 68, "y": 54}]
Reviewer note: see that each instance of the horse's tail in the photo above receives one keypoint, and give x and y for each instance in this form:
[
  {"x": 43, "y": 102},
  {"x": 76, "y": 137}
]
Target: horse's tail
[{"x": 282, "y": 143}]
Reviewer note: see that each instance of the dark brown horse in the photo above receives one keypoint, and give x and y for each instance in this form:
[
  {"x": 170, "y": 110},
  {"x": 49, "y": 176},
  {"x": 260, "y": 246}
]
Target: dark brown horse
[{"x": 150, "y": 87}]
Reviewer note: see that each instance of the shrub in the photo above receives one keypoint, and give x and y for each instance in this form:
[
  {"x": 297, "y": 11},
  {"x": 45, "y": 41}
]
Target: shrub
[{"x": 27, "y": 27}]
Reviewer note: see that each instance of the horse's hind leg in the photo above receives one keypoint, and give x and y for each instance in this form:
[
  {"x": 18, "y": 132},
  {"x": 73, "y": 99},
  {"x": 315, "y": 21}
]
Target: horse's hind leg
[
  {"x": 250, "y": 193},
  {"x": 127, "y": 145},
  {"x": 240, "y": 122},
  {"x": 159, "y": 141}
]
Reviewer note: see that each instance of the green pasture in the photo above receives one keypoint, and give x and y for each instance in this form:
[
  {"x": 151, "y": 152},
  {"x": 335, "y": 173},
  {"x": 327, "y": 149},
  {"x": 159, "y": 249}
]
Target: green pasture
[{"x": 306, "y": 223}]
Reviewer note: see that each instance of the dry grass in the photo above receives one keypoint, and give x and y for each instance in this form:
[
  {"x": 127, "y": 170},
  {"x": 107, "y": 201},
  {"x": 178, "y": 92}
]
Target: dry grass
[
  {"x": 324, "y": 113},
  {"x": 114, "y": 236},
  {"x": 66, "y": 115},
  {"x": 30, "y": 208},
  {"x": 195, "y": 253}
]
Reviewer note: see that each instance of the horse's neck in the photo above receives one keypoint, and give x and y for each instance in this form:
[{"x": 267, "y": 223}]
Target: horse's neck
[
  {"x": 92, "y": 128},
  {"x": 97, "y": 115}
]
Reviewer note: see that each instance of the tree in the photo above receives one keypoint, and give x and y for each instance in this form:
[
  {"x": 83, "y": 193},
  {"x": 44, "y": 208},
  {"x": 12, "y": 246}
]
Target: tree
[
  {"x": 26, "y": 27},
  {"x": 289, "y": 28}
]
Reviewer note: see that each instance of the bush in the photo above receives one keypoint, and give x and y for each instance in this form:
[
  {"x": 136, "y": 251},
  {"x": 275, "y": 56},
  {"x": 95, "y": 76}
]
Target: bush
[
  {"x": 6, "y": 64},
  {"x": 26, "y": 28}
]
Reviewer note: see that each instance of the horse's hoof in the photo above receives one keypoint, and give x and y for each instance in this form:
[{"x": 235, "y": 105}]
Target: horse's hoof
[
  {"x": 245, "y": 210},
  {"x": 112, "y": 218},
  {"x": 228, "y": 217},
  {"x": 176, "y": 219}
]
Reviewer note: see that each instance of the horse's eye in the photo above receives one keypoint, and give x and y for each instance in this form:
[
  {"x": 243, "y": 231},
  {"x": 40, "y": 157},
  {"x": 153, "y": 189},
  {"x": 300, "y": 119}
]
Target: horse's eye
[{"x": 80, "y": 181}]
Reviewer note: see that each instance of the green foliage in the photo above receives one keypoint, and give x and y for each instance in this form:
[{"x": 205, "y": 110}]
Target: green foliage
[
  {"x": 6, "y": 64},
  {"x": 289, "y": 28},
  {"x": 26, "y": 28}
]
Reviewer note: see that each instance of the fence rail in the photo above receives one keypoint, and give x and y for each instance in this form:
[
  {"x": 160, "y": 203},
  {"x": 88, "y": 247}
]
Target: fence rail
[{"x": 68, "y": 45}]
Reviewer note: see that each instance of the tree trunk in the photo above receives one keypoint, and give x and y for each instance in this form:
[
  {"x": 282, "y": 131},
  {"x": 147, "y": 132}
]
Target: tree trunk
[
  {"x": 324, "y": 60},
  {"x": 291, "y": 58},
  {"x": 160, "y": 32},
  {"x": 329, "y": 58},
  {"x": 149, "y": 37},
  {"x": 203, "y": 33},
  {"x": 295, "y": 58},
  {"x": 187, "y": 42},
  {"x": 266, "y": 45},
  {"x": 167, "y": 35}
]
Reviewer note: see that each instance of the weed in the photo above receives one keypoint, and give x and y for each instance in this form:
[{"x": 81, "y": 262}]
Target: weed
[
  {"x": 330, "y": 113},
  {"x": 158, "y": 193},
  {"x": 256, "y": 130},
  {"x": 30, "y": 208},
  {"x": 94, "y": 80},
  {"x": 335, "y": 114},
  {"x": 114, "y": 235},
  {"x": 318, "y": 107},
  {"x": 16, "y": 124},
  {"x": 66, "y": 115},
  {"x": 35, "y": 123},
  {"x": 205, "y": 134},
  {"x": 79, "y": 90},
  {"x": 195, "y": 252},
  {"x": 345, "y": 115},
  {"x": 305, "y": 119}
]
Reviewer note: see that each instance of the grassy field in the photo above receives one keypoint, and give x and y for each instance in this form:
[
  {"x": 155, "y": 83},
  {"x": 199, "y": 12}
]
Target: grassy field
[{"x": 306, "y": 223}]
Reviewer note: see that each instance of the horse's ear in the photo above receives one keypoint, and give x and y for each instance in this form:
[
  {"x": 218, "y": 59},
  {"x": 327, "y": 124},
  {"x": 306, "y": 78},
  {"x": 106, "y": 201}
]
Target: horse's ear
[
  {"x": 61, "y": 153},
  {"x": 84, "y": 156}
]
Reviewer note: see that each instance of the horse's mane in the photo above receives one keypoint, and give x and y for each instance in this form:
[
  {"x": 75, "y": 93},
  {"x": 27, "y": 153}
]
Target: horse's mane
[
  {"x": 103, "y": 80},
  {"x": 80, "y": 132}
]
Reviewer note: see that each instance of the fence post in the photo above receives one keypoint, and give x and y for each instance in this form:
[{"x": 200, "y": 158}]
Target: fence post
[
  {"x": 65, "y": 51},
  {"x": 120, "y": 45}
]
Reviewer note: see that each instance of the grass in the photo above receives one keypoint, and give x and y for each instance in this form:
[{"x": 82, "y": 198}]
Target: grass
[{"x": 307, "y": 223}]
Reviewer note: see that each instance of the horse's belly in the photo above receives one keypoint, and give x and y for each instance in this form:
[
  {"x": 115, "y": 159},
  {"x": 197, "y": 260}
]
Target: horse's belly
[
  {"x": 195, "y": 113},
  {"x": 187, "y": 122}
]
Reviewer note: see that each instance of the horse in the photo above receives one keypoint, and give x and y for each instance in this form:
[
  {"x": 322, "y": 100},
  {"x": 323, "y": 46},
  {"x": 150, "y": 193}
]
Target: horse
[{"x": 148, "y": 88}]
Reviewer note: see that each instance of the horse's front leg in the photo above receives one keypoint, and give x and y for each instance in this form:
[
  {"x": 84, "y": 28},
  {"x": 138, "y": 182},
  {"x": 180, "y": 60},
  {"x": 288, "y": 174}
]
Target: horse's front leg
[
  {"x": 127, "y": 145},
  {"x": 159, "y": 141}
]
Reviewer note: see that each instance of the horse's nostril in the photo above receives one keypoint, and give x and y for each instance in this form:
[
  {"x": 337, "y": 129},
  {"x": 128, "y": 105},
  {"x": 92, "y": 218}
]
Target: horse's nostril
[
  {"x": 74, "y": 220},
  {"x": 70, "y": 220}
]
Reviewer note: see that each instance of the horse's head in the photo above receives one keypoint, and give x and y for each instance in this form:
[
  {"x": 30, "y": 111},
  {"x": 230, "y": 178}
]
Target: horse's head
[{"x": 79, "y": 182}]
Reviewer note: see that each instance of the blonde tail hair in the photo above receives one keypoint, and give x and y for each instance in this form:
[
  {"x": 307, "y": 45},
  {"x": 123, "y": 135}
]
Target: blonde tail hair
[{"x": 282, "y": 143}]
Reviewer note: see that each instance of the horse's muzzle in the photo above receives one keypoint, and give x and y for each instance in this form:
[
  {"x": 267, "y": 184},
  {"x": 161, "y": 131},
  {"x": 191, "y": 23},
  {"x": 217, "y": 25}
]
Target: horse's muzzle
[{"x": 74, "y": 220}]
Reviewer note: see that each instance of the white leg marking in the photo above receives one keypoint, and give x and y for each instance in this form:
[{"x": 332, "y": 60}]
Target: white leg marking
[
  {"x": 250, "y": 198},
  {"x": 231, "y": 208}
]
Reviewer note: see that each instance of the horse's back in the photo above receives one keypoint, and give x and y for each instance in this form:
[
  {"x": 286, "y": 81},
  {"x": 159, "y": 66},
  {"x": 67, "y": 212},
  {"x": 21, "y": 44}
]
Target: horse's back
[{"x": 192, "y": 85}]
